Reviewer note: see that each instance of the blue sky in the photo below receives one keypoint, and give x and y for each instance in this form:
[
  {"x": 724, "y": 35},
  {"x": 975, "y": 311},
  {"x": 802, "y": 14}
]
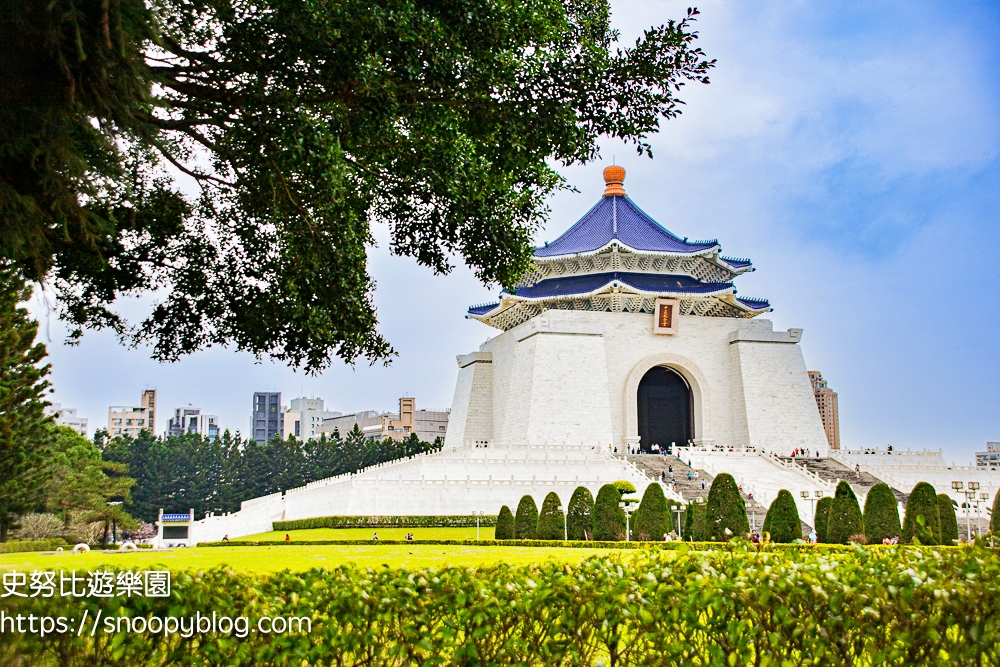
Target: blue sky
[{"x": 851, "y": 151}]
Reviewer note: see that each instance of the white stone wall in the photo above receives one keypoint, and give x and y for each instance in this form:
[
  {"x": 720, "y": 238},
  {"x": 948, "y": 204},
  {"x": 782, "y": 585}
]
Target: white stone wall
[{"x": 471, "y": 418}]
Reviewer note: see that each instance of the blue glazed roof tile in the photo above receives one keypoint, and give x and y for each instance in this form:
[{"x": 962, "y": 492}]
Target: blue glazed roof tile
[
  {"x": 484, "y": 308},
  {"x": 756, "y": 304},
  {"x": 634, "y": 228},
  {"x": 176, "y": 517},
  {"x": 646, "y": 282}
]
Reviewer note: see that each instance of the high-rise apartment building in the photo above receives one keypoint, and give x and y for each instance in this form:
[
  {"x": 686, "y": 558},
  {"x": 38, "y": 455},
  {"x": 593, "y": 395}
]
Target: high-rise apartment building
[
  {"x": 990, "y": 458},
  {"x": 304, "y": 416},
  {"x": 268, "y": 419},
  {"x": 826, "y": 401},
  {"x": 128, "y": 420},
  {"x": 67, "y": 417}
]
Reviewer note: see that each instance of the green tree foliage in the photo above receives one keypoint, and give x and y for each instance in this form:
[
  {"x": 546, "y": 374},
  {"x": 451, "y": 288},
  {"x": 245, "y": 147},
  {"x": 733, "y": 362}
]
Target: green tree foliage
[
  {"x": 921, "y": 519},
  {"x": 550, "y": 519},
  {"x": 505, "y": 525},
  {"x": 624, "y": 486},
  {"x": 881, "y": 516},
  {"x": 609, "y": 518},
  {"x": 845, "y": 516},
  {"x": 526, "y": 519},
  {"x": 303, "y": 123},
  {"x": 580, "y": 514},
  {"x": 188, "y": 471},
  {"x": 650, "y": 522},
  {"x": 948, "y": 519},
  {"x": 782, "y": 520},
  {"x": 725, "y": 511},
  {"x": 822, "y": 517},
  {"x": 694, "y": 522},
  {"x": 24, "y": 427},
  {"x": 995, "y": 514}
]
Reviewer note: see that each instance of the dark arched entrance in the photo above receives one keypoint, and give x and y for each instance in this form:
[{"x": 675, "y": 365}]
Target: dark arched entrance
[{"x": 664, "y": 405}]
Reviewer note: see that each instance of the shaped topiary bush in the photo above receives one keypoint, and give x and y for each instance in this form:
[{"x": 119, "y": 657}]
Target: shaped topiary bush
[
  {"x": 609, "y": 518},
  {"x": 782, "y": 520},
  {"x": 881, "y": 516},
  {"x": 947, "y": 518},
  {"x": 580, "y": 515},
  {"x": 505, "y": 525},
  {"x": 650, "y": 522},
  {"x": 550, "y": 519},
  {"x": 922, "y": 520},
  {"x": 995, "y": 516},
  {"x": 694, "y": 522},
  {"x": 845, "y": 516},
  {"x": 526, "y": 519},
  {"x": 725, "y": 511},
  {"x": 822, "y": 518}
]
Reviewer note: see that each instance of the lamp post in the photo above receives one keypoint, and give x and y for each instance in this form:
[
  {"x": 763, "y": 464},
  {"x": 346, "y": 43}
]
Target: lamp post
[
  {"x": 956, "y": 487},
  {"x": 983, "y": 497},
  {"x": 974, "y": 486},
  {"x": 628, "y": 511},
  {"x": 565, "y": 526},
  {"x": 478, "y": 514},
  {"x": 969, "y": 497}
]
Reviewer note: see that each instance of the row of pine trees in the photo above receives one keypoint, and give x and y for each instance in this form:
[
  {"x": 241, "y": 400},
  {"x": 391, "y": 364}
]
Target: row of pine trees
[{"x": 929, "y": 519}]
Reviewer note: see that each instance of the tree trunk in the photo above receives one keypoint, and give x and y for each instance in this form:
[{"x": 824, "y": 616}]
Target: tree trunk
[
  {"x": 4, "y": 527},
  {"x": 104, "y": 538}
]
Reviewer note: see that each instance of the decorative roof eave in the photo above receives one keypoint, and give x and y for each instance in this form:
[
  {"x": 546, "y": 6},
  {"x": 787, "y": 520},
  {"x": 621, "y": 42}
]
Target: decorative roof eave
[
  {"x": 620, "y": 287},
  {"x": 613, "y": 244}
]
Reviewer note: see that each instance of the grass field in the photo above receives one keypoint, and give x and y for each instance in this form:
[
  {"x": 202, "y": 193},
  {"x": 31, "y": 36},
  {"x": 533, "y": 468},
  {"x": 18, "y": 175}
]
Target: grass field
[
  {"x": 297, "y": 558},
  {"x": 313, "y": 534}
]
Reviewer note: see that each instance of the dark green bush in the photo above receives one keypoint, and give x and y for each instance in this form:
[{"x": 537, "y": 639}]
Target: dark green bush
[
  {"x": 949, "y": 522},
  {"x": 609, "y": 518},
  {"x": 526, "y": 519},
  {"x": 22, "y": 546},
  {"x": 725, "y": 511},
  {"x": 650, "y": 521},
  {"x": 505, "y": 525},
  {"x": 580, "y": 515},
  {"x": 845, "y": 516},
  {"x": 454, "y": 521},
  {"x": 881, "y": 516},
  {"x": 550, "y": 519},
  {"x": 921, "y": 520},
  {"x": 694, "y": 522},
  {"x": 995, "y": 515},
  {"x": 822, "y": 518},
  {"x": 782, "y": 520}
]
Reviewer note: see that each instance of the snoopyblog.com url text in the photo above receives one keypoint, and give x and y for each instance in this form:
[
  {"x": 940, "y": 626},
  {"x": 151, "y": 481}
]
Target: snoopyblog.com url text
[{"x": 185, "y": 626}]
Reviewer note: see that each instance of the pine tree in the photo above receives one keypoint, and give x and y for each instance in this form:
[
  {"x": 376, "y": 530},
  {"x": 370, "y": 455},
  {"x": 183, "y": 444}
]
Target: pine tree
[
  {"x": 505, "y": 525},
  {"x": 609, "y": 518},
  {"x": 550, "y": 520},
  {"x": 580, "y": 515},
  {"x": 922, "y": 520},
  {"x": 947, "y": 519},
  {"x": 725, "y": 512},
  {"x": 782, "y": 520},
  {"x": 881, "y": 517},
  {"x": 845, "y": 516},
  {"x": 822, "y": 518},
  {"x": 526, "y": 519},
  {"x": 25, "y": 430},
  {"x": 650, "y": 522}
]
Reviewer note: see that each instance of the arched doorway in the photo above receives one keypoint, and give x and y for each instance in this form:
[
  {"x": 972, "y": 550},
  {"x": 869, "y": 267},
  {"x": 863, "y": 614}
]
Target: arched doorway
[{"x": 664, "y": 407}]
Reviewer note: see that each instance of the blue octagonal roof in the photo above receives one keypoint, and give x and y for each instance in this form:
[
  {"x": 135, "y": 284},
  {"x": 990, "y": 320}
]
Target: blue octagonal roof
[{"x": 645, "y": 282}]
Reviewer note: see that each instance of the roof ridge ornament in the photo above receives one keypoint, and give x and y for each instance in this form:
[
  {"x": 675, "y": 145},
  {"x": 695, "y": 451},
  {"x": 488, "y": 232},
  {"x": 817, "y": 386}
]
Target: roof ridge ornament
[{"x": 614, "y": 176}]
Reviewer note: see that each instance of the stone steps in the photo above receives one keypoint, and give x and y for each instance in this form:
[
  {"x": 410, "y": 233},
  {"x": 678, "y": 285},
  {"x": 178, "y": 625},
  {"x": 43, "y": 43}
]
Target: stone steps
[{"x": 832, "y": 470}]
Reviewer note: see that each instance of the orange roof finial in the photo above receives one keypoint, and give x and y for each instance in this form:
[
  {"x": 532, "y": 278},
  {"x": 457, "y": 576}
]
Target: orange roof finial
[{"x": 614, "y": 176}]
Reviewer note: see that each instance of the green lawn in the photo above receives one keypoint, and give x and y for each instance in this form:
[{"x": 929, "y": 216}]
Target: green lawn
[
  {"x": 297, "y": 558},
  {"x": 314, "y": 534}
]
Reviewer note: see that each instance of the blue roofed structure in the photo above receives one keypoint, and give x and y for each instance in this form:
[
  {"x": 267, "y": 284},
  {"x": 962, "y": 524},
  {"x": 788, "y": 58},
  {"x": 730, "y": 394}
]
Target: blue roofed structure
[{"x": 617, "y": 258}]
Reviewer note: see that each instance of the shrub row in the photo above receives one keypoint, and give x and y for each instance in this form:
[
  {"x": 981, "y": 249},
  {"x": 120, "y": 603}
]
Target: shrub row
[
  {"x": 454, "y": 521},
  {"x": 901, "y": 606},
  {"x": 21, "y": 546}
]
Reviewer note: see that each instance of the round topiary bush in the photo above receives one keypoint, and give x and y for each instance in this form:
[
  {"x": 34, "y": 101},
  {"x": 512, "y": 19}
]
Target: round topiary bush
[
  {"x": 948, "y": 519},
  {"x": 624, "y": 486},
  {"x": 526, "y": 519},
  {"x": 881, "y": 517},
  {"x": 845, "y": 516},
  {"x": 782, "y": 520},
  {"x": 650, "y": 522},
  {"x": 550, "y": 519},
  {"x": 609, "y": 518},
  {"x": 505, "y": 525},
  {"x": 725, "y": 511},
  {"x": 921, "y": 520},
  {"x": 822, "y": 518},
  {"x": 580, "y": 515}
]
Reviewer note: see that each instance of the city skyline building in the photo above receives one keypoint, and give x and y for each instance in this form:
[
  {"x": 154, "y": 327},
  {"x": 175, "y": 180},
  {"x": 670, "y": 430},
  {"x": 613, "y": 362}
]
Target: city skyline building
[
  {"x": 428, "y": 424},
  {"x": 829, "y": 411},
  {"x": 132, "y": 420},
  {"x": 990, "y": 458},
  {"x": 268, "y": 418},
  {"x": 304, "y": 416},
  {"x": 68, "y": 417}
]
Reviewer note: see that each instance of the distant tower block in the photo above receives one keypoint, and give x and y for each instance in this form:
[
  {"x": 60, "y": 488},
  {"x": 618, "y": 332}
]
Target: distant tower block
[{"x": 826, "y": 401}]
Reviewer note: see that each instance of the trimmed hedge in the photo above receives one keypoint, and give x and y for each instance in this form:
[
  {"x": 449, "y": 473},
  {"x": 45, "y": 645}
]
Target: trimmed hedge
[
  {"x": 609, "y": 518},
  {"x": 550, "y": 519},
  {"x": 822, "y": 518},
  {"x": 949, "y": 522},
  {"x": 526, "y": 519},
  {"x": 995, "y": 516},
  {"x": 782, "y": 520},
  {"x": 730, "y": 606},
  {"x": 725, "y": 511},
  {"x": 881, "y": 516},
  {"x": 580, "y": 515},
  {"x": 505, "y": 525},
  {"x": 845, "y": 516},
  {"x": 23, "y": 546},
  {"x": 454, "y": 521},
  {"x": 650, "y": 521},
  {"x": 921, "y": 520}
]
